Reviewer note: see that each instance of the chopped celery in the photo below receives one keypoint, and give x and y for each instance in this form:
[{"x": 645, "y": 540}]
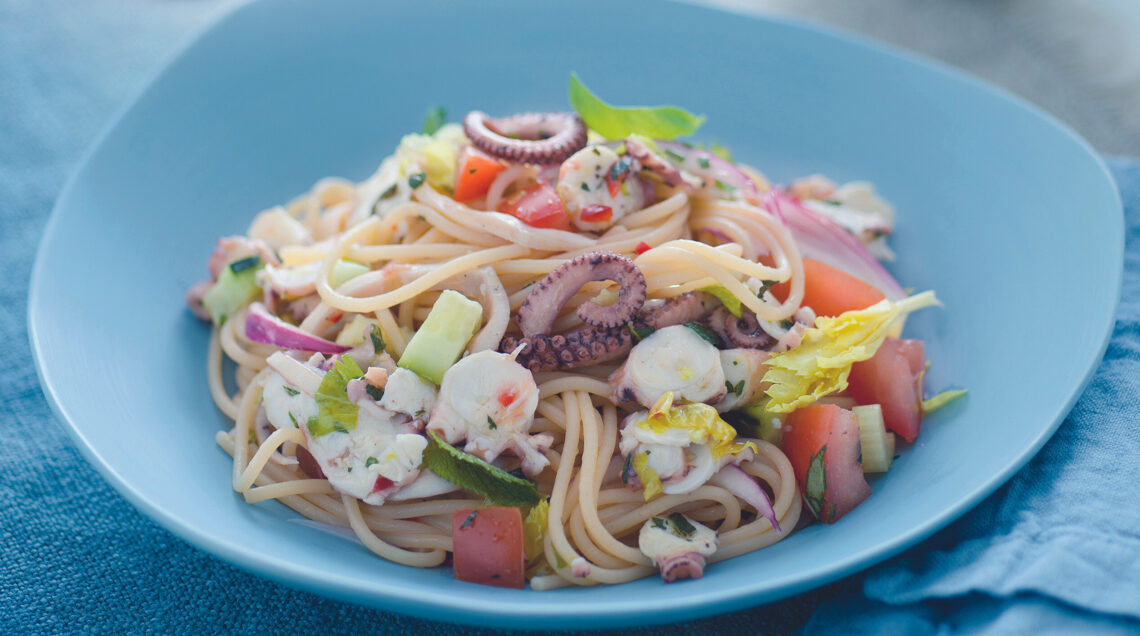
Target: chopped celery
[
  {"x": 344, "y": 271},
  {"x": 441, "y": 339},
  {"x": 878, "y": 445},
  {"x": 235, "y": 288},
  {"x": 356, "y": 331},
  {"x": 768, "y": 425}
]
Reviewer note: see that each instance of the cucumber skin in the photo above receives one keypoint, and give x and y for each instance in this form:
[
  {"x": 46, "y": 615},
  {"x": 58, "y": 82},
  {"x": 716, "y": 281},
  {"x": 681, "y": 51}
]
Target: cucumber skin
[
  {"x": 231, "y": 292},
  {"x": 442, "y": 337}
]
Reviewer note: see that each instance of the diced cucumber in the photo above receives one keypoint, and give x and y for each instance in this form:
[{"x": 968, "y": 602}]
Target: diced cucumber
[
  {"x": 768, "y": 425},
  {"x": 878, "y": 445},
  {"x": 344, "y": 271},
  {"x": 356, "y": 331},
  {"x": 235, "y": 288},
  {"x": 441, "y": 339}
]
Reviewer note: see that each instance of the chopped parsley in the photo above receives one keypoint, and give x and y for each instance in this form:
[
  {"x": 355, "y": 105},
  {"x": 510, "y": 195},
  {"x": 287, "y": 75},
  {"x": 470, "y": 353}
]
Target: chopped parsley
[
  {"x": 290, "y": 390},
  {"x": 585, "y": 187},
  {"x": 368, "y": 462},
  {"x": 704, "y": 332},
  {"x": 682, "y": 525},
  {"x": 491, "y": 423},
  {"x": 703, "y": 162},
  {"x": 374, "y": 392},
  {"x": 417, "y": 180},
  {"x": 377, "y": 338},
  {"x": 470, "y": 520},
  {"x": 737, "y": 389},
  {"x": 724, "y": 186},
  {"x": 293, "y": 419},
  {"x": 675, "y": 156}
]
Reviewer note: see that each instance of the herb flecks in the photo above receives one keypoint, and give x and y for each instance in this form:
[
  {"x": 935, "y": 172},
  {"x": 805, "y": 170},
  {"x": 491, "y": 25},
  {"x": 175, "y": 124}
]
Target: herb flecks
[{"x": 416, "y": 180}]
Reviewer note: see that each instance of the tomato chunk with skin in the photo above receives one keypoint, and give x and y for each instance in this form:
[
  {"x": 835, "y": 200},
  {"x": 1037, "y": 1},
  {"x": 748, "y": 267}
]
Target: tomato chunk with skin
[
  {"x": 537, "y": 205},
  {"x": 830, "y": 291},
  {"x": 488, "y": 546},
  {"x": 822, "y": 443},
  {"x": 892, "y": 378},
  {"x": 476, "y": 172}
]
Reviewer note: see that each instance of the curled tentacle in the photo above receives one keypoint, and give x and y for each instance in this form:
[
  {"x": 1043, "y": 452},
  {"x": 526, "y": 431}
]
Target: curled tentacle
[
  {"x": 542, "y": 138},
  {"x": 743, "y": 332},
  {"x": 689, "y": 565},
  {"x": 689, "y": 307},
  {"x": 579, "y": 348},
  {"x": 541, "y": 307}
]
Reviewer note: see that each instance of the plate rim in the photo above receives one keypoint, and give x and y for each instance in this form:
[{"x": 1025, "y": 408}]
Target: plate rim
[{"x": 507, "y": 614}]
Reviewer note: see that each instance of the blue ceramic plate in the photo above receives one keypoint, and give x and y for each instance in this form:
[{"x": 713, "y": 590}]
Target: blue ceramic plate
[{"x": 1007, "y": 214}]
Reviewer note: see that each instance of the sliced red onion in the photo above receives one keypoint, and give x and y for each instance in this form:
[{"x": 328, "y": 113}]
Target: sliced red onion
[
  {"x": 262, "y": 326},
  {"x": 824, "y": 240},
  {"x": 720, "y": 176},
  {"x": 743, "y": 485}
]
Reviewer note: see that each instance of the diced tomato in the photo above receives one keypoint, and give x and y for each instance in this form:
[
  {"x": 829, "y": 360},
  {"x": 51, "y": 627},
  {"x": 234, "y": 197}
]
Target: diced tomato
[
  {"x": 892, "y": 378},
  {"x": 488, "y": 546},
  {"x": 830, "y": 291},
  {"x": 642, "y": 247},
  {"x": 597, "y": 214},
  {"x": 476, "y": 172},
  {"x": 822, "y": 443},
  {"x": 382, "y": 483},
  {"x": 537, "y": 205},
  {"x": 507, "y": 396}
]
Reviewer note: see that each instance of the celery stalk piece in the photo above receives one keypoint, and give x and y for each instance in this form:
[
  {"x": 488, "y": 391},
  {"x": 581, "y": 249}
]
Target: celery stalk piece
[
  {"x": 235, "y": 288},
  {"x": 877, "y": 444}
]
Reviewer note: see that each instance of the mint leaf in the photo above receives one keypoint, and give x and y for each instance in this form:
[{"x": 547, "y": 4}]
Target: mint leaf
[
  {"x": 704, "y": 332},
  {"x": 726, "y": 298},
  {"x": 684, "y": 528},
  {"x": 815, "y": 484},
  {"x": 436, "y": 116},
  {"x": 468, "y": 471},
  {"x": 377, "y": 338},
  {"x": 616, "y": 122},
  {"x": 336, "y": 412}
]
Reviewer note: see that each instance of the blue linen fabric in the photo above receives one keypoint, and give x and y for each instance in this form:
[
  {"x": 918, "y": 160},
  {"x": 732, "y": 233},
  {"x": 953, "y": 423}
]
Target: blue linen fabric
[{"x": 1056, "y": 549}]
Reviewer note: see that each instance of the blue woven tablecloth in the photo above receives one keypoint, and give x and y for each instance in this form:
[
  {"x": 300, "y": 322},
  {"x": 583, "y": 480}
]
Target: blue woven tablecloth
[{"x": 1058, "y": 548}]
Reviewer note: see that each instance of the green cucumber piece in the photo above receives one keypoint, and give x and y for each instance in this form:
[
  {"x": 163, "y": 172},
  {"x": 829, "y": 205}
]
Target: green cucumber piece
[
  {"x": 441, "y": 339},
  {"x": 235, "y": 288},
  {"x": 344, "y": 271},
  {"x": 768, "y": 425}
]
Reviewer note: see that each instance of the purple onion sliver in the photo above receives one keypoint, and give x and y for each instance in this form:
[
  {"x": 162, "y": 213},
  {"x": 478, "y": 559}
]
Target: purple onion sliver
[
  {"x": 743, "y": 485},
  {"x": 265, "y": 328}
]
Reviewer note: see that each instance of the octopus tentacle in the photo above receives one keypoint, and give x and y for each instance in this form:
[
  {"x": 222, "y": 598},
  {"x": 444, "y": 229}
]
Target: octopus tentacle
[
  {"x": 653, "y": 162},
  {"x": 689, "y": 565},
  {"x": 689, "y": 307},
  {"x": 541, "y": 307},
  {"x": 541, "y": 138},
  {"x": 744, "y": 331},
  {"x": 579, "y": 348}
]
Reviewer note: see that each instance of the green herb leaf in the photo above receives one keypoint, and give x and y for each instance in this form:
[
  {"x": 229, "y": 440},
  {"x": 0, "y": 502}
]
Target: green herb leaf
[
  {"x": 416, "y": 180},
  {"x": 679, "y": 158},
  {"x": 368, "y": 462},
  {"x": 584, "y": 187},
  {"x": 704, "y": 332},
  {"x": 815, "y": 485},
  {"x": 470, "y": 472},
  {"x": 374, "y": 392},
  {"x": 703, "y": 162},
  {"x": 243, "y": 264},
  {"x": 640, "y": 332},
  {"x": 737, "y": 389},
  {"x": 293, "y": 419},
  {"x": 470, "y": 520},
  {"x": 290, "y": 390},
  {"x": 336, "y": 412},
  {"x": 377, "y": 339},
  {"x": 725, "y": 187},
  {"x": 491, "y": 423},
  {"x": 614, "y": 122},
  {"x": 726, "y": 298},
  {"x": 658, "y": 523},
  {"x": 684, "y": 528},
  {"x": 436, "y": 116}
]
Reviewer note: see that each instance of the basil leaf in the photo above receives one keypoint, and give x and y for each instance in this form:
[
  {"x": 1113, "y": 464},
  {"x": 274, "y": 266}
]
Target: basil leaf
[
  {"x": 815, "y": 484},
  {"x": 468, "y": 471},
  {"x": 617, "y": 122}
]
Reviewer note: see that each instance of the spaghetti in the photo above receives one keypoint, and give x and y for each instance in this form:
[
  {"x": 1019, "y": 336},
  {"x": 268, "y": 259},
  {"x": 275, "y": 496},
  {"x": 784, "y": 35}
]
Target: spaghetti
[{"x": 600, "y": 444}]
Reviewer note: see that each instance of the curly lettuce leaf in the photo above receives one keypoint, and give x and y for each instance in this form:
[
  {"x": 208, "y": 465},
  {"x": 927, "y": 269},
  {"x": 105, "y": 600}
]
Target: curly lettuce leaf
[
  {"x": 820, "y": 365},
  {"x": 618, "y": 122},
  {"x": 701, "y": 421},
  {"x": 468, "y": 471},
  {"x": 534, "y": 530},
  {"x": 938, "y": 401},
  {"x": 336, "y": 412}
]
